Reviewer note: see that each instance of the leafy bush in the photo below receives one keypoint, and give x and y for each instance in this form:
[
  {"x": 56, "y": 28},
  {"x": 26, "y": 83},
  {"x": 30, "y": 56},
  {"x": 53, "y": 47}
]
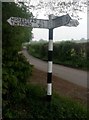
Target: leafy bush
[
  {"x": 65, "y": 53},
  {"x": 39, "y": 50},
  {"x": 15, "y": 68},
  {"x": 14, "y": 80}
]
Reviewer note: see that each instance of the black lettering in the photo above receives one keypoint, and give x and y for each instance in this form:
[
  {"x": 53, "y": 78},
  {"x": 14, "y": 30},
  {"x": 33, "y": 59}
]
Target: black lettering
[
  {"x": 16, "y": 21},
  {"x": 12, "y": 20}
]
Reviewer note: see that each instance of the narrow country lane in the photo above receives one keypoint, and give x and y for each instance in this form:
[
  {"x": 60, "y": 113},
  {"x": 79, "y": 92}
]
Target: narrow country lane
[{"x": 78, "y": 77}]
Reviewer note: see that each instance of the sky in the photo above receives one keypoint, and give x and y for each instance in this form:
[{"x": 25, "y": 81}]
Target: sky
[{"x": 63, "y": 32}]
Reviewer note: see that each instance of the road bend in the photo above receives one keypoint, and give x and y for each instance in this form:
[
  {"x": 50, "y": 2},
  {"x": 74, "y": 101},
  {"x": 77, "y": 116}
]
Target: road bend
[{"x": 75, "y": 76}]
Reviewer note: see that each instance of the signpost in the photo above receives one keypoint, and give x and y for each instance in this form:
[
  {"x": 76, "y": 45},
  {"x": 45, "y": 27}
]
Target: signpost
[{"x": 53, "y": 22}]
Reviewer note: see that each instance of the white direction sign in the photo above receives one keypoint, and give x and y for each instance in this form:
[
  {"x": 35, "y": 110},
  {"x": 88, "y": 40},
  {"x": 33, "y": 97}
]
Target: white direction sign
[
  {"x": 17, "y": 21},
  {"x": 60, "y": 21},
  {"x": 52, "y": 23},
  {"x": 36, "y": 23}
]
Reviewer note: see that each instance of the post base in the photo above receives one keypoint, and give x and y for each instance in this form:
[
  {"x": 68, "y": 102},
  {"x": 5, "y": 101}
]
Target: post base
[{"x": 49, "y": 97}]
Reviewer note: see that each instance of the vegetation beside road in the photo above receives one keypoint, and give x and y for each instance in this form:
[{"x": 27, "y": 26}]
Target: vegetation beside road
[
  {"x": 33, "y": 105},
  {"x": 66, "y": 53},
  {"x": 15, "y": 68}
]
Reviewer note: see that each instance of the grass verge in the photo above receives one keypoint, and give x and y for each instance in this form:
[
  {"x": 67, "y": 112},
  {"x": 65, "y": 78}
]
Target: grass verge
[{"x": 34, "y": 106}]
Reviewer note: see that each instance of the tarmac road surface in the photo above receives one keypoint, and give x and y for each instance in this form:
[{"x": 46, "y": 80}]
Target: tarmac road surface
[{"x": 78, "y": 77}]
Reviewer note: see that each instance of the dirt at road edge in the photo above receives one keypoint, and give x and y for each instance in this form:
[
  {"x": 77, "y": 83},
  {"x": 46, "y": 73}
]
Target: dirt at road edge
[{"x": 60, "y": 86}]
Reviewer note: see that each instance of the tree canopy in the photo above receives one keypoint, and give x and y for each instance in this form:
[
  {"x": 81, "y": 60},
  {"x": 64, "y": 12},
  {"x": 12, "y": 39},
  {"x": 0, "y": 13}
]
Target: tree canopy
[
  {"x": 13, "y": 37},
  {"x": 57, "y": 7}
]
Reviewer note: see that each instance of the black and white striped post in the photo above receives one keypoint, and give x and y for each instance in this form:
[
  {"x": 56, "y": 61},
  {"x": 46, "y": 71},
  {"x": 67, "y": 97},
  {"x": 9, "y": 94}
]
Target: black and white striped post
[{"x": 49, "y": 74}]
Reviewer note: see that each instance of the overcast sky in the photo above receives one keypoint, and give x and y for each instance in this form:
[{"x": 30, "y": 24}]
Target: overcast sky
[{"x": 63, "y": 33}]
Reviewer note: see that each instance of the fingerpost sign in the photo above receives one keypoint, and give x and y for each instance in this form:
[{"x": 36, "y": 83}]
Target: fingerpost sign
[{"x": 53, "y": 22}]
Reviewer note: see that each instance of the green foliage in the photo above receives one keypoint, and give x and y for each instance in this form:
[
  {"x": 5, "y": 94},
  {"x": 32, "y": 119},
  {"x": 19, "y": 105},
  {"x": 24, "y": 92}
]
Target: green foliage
[
  {"x": 34, "y": 106},
  {"x": 38, "y": 49},
  {"x": 14, "y": 80},
  {"x": 15, "y": 68},
  {"x": 12, "y": 36},
  {"x": 65, "y": 53}
]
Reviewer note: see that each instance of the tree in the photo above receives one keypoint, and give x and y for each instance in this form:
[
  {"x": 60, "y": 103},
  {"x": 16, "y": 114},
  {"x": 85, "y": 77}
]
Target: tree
[
  {"x": 21, "y": 34},
  {"x": 58, "y": 7},
  {"x": 15, "y": 68}
]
